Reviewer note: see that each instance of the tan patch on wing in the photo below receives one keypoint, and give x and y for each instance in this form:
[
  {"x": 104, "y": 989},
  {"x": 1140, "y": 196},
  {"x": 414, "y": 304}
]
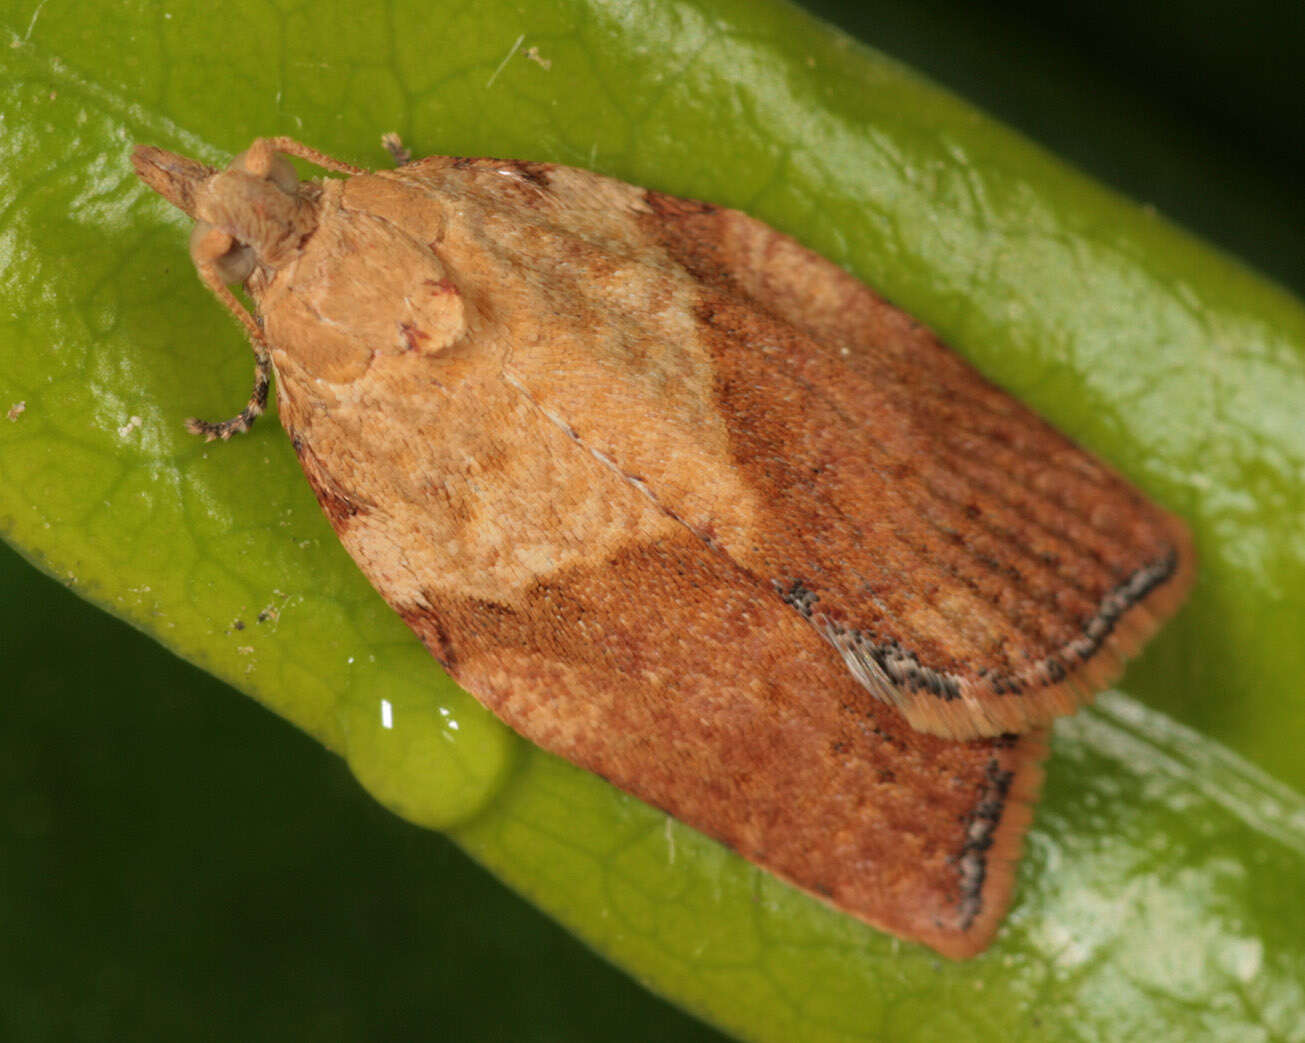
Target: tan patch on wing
[
  {"x": 594, "y": 327},
  {"x": 475, "y": 492}
]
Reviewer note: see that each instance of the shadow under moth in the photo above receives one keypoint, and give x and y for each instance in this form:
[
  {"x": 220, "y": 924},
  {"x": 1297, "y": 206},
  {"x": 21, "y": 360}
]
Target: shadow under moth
[{"x": 688, "y": 505}]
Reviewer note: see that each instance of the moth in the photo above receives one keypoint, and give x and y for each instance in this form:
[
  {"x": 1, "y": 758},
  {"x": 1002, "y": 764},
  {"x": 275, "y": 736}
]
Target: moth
[{"x": 689, "y": 505}]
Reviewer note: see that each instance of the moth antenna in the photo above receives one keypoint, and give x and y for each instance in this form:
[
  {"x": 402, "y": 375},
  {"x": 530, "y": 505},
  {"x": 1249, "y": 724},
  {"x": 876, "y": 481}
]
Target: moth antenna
[
  {"x": 244, "y": 420},
  {"x": 291, "y": 147}
]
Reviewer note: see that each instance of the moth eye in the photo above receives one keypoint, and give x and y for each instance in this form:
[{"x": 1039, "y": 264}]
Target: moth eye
[
  {"x": 233, "y": 261},
  {"x": 279, "y": 171}
]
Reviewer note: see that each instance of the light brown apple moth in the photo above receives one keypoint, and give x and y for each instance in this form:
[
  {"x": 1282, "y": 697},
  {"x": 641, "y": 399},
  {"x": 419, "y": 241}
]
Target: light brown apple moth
[{"x": 690, "y": 506}]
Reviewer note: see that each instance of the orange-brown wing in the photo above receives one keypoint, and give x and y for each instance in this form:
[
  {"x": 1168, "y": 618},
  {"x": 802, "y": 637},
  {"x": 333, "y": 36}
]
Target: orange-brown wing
[
  {"x": 674, "y": 675},
  {"x": 973, "y": 566}
]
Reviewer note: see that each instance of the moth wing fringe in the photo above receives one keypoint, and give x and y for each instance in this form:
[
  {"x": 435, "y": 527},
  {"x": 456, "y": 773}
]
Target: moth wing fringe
[
  {"x": 983, "y": 711},
  {"x": 1003, "y": 855}
]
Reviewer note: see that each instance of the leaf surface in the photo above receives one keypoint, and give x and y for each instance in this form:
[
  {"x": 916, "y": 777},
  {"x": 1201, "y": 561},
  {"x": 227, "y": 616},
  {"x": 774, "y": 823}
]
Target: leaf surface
[{"x": 1158, "y": 897}]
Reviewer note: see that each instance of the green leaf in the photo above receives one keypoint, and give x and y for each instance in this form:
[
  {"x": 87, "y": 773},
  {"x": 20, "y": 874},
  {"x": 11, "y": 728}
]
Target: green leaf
[{"x": 1159, "y": 895}]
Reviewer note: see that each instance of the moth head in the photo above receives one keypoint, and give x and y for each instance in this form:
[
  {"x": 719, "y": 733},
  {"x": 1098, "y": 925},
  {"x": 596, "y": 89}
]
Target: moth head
[{"x": 254, "y": 212}]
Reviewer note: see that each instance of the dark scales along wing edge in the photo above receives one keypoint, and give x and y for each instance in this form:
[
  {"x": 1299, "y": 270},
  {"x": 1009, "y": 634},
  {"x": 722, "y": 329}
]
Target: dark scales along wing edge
[{"x": 976, "y": 569}]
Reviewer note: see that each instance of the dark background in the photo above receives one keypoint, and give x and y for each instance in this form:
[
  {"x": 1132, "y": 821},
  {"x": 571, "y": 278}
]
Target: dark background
[{"x": 190, "y": 888}]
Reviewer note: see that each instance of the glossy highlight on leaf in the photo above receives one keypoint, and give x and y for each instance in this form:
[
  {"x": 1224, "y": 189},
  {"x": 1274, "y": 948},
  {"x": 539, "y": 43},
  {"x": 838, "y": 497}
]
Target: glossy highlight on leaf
[{"x": 1174, "y": 363}]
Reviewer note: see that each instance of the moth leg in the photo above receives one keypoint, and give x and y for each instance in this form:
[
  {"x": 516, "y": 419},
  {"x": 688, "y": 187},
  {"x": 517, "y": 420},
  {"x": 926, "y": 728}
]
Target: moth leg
[
  {"x": 211, "y": 250},
  {"x": 262, "y": 147},
  {"x": 395, "y": 147}
]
